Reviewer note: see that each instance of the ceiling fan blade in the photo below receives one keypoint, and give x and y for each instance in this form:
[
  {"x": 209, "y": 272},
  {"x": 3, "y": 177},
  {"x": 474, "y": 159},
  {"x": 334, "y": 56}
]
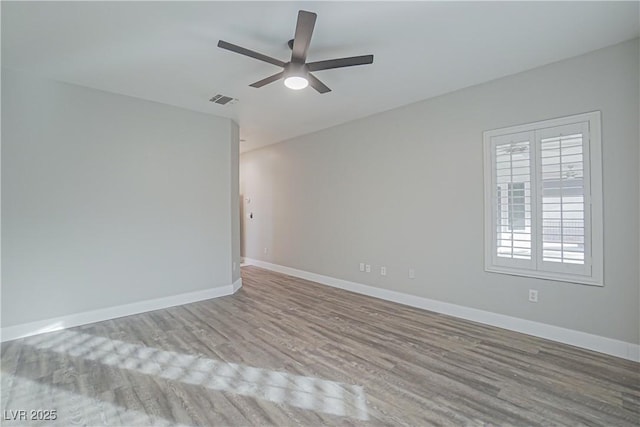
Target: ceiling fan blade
[
  {"x": 340, "y": 63},
  {"x": 242, "y": 51},
  {"x": 317, "y": 84},
  {"x": 302, "y": 39},
  {"x": 268, "y": 80}
]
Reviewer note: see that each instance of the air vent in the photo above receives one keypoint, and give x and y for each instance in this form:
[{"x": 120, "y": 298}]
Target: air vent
[{"x": 223, "y": 100}]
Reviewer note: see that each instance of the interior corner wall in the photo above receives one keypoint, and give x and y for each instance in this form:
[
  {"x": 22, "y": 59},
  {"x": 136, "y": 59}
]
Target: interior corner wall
[
  {"x": 404, "y": 188},
  {"x": 108, "y": 200},
  {"x": 235, "y": 201}
]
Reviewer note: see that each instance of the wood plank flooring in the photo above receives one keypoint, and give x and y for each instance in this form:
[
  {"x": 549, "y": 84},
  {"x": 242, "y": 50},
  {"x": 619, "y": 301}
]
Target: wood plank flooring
[{"x": 288, "y": 352}]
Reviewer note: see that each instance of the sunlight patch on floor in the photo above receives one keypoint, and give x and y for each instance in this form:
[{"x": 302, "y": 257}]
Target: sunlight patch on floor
[{"x": 279, "y": 387}]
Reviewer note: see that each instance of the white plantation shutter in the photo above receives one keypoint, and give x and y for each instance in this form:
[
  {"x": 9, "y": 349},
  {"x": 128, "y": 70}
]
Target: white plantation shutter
[
  {"x": 511, "y": 156},
  {"x": 543, "y": 209},
  {"x": 563, "y": 185}
]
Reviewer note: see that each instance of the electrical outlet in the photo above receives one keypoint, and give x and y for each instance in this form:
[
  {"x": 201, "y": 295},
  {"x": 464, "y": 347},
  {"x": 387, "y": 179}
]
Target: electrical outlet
[
  {"x": 533, "y": 295},
  {"x": 383, "y": 271},
  {"x": 362, "y": 266},
  {"x": 412, "y": 273},
  {"x": 234, "y": 266},
  {"x": 266, "y": 251},
  {"x": 367, "y": 268}
]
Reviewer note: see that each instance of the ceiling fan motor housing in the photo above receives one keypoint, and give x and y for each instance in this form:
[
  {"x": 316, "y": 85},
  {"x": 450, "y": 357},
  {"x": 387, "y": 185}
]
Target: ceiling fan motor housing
[{"x": 296, "y": 69}]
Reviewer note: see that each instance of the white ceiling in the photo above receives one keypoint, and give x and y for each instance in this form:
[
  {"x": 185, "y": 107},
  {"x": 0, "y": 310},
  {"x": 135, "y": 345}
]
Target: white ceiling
[{"x": 166, "y": 51}]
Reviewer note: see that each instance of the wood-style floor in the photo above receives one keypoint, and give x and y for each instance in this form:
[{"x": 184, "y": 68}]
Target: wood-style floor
[{"x": 288, "y": 352}]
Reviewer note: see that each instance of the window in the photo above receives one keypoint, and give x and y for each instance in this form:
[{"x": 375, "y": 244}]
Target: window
[{"x": 543, "y": 200}]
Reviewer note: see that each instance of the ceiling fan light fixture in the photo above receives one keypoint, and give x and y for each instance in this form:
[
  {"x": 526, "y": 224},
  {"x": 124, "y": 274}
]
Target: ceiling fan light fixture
[{"x": 296, "y": 82}]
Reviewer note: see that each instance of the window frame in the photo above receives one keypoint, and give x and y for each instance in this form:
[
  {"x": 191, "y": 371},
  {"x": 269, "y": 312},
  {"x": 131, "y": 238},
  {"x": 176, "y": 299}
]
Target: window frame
[{"x": 593, "y": 203}]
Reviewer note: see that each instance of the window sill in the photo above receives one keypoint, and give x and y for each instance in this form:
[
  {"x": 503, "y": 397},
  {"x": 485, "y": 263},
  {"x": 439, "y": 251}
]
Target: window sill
[{"x": 558, "y": 277}]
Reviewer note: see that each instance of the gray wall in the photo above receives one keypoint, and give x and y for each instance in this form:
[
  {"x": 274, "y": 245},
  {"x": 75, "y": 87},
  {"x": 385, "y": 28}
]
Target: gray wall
[
  {"x": 405, "y": 189},
  {"x": 108, "y": 200}
]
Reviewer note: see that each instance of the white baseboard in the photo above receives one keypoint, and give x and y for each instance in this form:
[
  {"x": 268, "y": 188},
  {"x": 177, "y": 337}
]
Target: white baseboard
[
  {"x": 597, "y": 343},
  {"x": 55, "y": 324},
  {"x": 237, "y": 285}
]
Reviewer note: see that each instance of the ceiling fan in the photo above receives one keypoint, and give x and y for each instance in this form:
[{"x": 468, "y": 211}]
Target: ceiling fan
[{"x": 297, "y": 72}]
